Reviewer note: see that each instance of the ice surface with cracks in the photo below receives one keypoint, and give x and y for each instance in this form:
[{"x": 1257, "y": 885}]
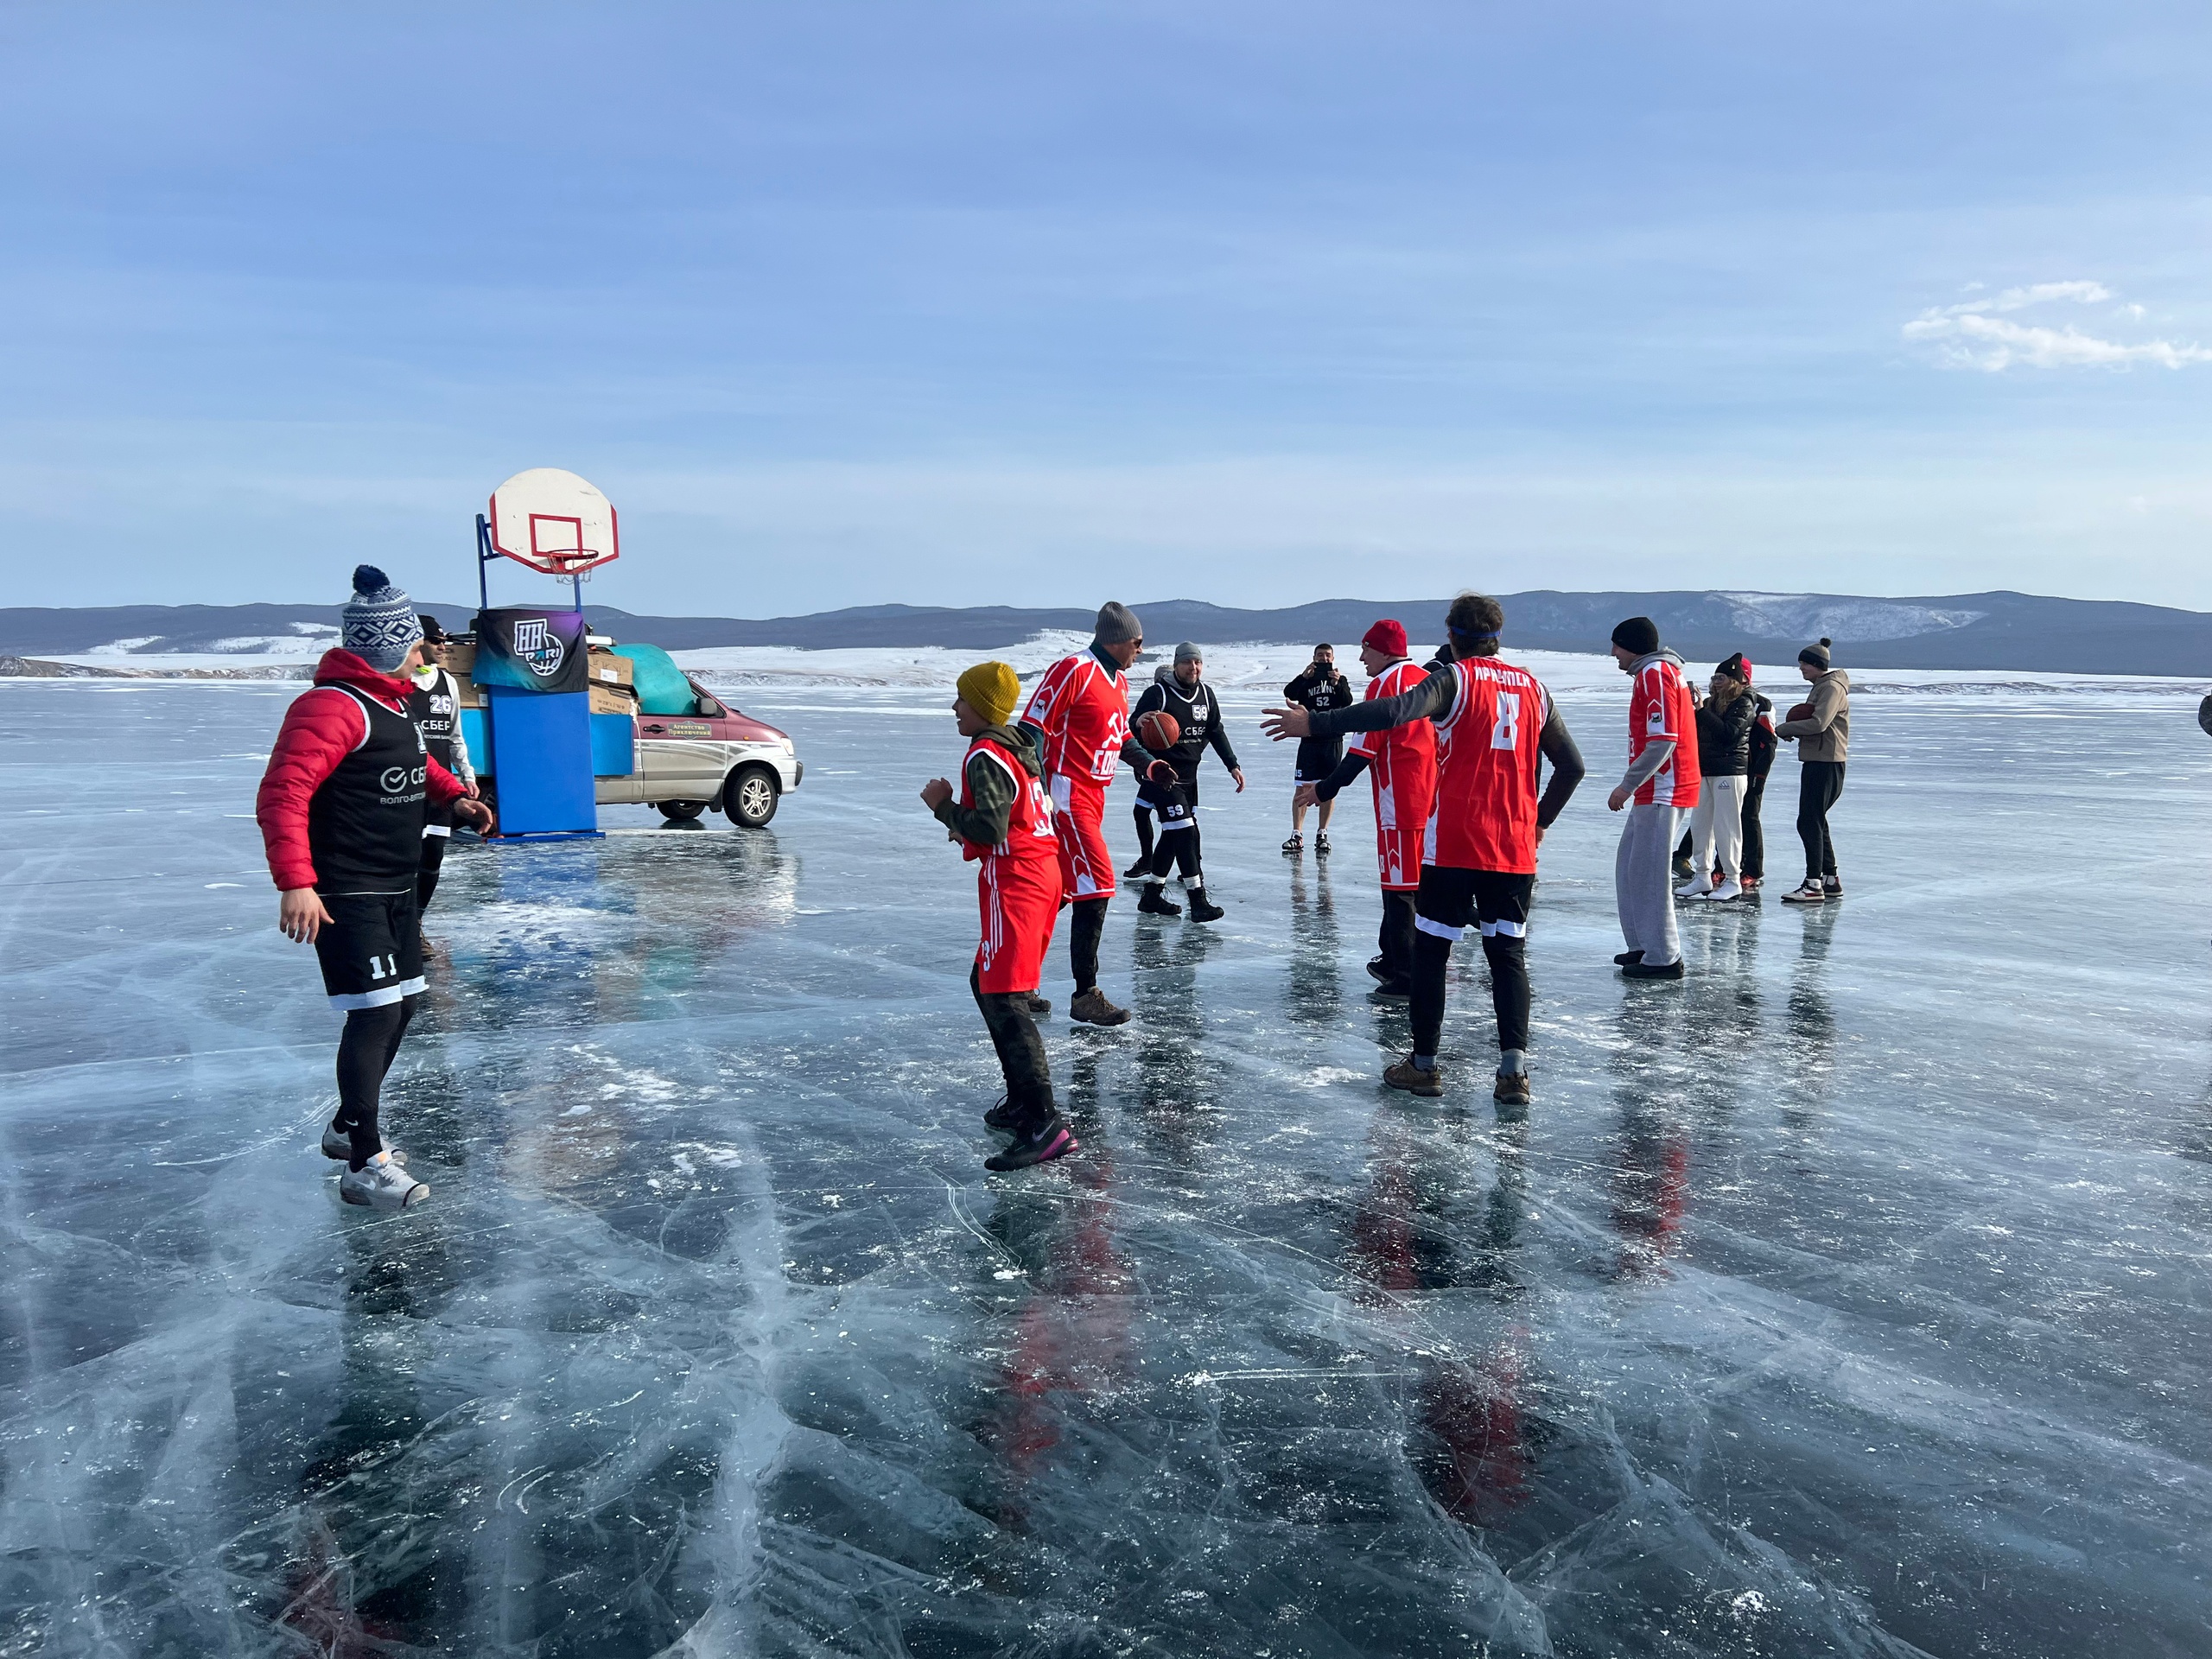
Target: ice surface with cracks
[{"x": 1849, "y": 1298}]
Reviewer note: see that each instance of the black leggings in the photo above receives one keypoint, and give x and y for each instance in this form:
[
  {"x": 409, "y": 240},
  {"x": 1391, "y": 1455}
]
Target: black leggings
[
  {"x": 426, "y": 874},
  {"x": 1508, "y": 989},
  {"x": 1817, "y": 791},
  {"x": 1754, "y": 860},
  {"x": 1020, "y": 1050},
  {"x": 1395, "y": 939},
  {"x": 1086, "y": 928},
  {"x": 1178, "y": 850},
  {"x": 1144, "y": 833},
  {"x": 365, "y": 1051}
]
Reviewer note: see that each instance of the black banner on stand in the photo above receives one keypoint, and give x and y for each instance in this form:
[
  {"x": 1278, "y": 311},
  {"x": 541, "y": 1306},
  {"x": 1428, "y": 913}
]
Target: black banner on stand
[{"x": 530, "y": 649}]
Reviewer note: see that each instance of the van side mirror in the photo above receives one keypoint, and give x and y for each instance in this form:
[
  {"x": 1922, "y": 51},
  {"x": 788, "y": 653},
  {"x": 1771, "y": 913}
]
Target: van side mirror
[{"x": 709, "y": 708}]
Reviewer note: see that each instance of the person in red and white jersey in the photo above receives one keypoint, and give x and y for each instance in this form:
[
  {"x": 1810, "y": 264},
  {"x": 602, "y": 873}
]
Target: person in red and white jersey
[
  {"x": 1080, "y": 712},
  {"x": 1660, "y": 784},
  {"x": 1002, "y": 819},
  {"x": 1401, "y": 765},
  {"x": 350, "y": 783},
  {"x": 1495, "y": 726}
]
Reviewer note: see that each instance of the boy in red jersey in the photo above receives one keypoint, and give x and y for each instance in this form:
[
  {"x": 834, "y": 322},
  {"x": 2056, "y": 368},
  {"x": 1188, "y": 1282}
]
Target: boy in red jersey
[
  {"x": 1660, "y": 785},
  {"x": 1495, "y": 723},
  {"x": 349, "y": 786},
  {"x": 1003, "y": 821},
  {"x": 1080, "y": 713},
  {"x": 1403, "y": 763}
]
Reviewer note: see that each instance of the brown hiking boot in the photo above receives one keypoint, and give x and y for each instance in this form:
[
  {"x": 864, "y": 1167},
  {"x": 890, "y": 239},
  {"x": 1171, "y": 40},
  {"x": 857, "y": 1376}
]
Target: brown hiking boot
[
  {"x": 1512, "y": 1089},
  {"x": 1092, "y": 1007},
  {"x": 1410, "y": 1078}
]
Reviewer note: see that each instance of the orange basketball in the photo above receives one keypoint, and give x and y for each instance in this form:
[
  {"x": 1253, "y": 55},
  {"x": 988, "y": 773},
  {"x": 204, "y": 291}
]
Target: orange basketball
[{"x": 1158, "y": 730}]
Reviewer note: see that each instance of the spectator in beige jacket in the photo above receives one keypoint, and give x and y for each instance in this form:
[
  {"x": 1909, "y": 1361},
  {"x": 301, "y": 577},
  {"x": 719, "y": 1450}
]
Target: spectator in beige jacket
[{"x": 1821, "y": 726}]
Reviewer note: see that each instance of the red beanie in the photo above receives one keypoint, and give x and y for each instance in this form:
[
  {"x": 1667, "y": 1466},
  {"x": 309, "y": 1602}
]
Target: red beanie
[{"x": 1386, "y": 636}]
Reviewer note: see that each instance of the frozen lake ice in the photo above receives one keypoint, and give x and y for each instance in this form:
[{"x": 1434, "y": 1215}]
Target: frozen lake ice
[{"x": 1850, "y": 1298}]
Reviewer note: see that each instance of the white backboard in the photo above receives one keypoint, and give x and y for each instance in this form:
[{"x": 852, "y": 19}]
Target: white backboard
[{"x": 553, "y": 521}]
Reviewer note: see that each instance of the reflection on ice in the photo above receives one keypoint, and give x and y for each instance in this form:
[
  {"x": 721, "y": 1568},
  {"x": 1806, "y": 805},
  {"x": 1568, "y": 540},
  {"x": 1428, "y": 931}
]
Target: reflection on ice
[{"x": 1847, "y": 1298}]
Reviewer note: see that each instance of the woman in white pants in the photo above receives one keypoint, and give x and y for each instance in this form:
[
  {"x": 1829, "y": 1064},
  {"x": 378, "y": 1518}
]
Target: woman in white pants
[{"x": 1724, "y": 757}]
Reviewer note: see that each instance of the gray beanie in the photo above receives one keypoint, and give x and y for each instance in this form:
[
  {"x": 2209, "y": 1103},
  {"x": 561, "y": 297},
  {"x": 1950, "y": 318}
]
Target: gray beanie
[
  {"x": 379, "y": 624},
  {"x": 1188, "y": 652},
  {"x": 1816, "y": 655},
  {"x": 1117, "y": 624}
]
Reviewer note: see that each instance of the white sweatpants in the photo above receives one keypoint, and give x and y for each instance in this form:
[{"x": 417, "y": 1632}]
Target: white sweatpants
[{"x": 1717, "y": 827}]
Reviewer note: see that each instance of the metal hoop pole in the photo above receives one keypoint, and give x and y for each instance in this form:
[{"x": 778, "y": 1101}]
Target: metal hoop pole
[{"x": 485, "y": 555}]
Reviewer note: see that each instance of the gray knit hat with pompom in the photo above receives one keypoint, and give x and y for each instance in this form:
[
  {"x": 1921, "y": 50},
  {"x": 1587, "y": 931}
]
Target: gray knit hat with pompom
[{"x": 379, "y": 624}]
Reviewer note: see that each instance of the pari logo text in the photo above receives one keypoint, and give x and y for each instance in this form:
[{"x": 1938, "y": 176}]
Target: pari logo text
[{"x": 538, "y": 645}]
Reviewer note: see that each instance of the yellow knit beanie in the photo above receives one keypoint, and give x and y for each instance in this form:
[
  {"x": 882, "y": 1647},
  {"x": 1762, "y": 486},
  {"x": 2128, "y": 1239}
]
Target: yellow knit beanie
[{"x": 991, "y": 689}]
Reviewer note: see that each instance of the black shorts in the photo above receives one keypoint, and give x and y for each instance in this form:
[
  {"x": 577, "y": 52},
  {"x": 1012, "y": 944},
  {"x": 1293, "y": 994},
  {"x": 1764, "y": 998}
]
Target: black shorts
[
  {"x": 1318, "y": 757},
  {"x": 1185, "y": 781},
  {"x": 372, "y": 954},
  {"x": 1450, "y": 902}
]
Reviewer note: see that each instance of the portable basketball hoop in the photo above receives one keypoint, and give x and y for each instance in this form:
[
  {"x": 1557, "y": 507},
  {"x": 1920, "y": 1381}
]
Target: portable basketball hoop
[{"x": 552, "y": 521}]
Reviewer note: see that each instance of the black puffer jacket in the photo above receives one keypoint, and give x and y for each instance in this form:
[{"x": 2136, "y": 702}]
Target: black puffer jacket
[
  {"x": 1724, "y": 736},
  {"x": 1763, "y": 741}
]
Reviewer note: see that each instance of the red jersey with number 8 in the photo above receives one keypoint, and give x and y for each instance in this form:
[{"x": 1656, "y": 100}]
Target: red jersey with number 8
[{"x": 1487, "y": 760}]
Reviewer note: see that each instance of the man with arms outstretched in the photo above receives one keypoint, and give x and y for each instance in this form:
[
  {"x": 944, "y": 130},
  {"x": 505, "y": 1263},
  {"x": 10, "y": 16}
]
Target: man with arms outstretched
[{"x": 1495, "y": 723}]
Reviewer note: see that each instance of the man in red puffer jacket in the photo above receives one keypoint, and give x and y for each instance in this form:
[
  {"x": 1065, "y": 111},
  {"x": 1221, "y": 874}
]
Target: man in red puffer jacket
[{"x": 342, "y": 809}]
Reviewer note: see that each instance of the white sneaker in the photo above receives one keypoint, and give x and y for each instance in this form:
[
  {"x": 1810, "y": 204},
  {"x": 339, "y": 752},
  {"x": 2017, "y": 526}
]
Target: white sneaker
[
  {"x": 382, "y": 1185},
  {"x": 1696, "y": 887},
  {"x": 1725, "y": 891},
  {"x": 340, "y": 1145},
  {"x": 1810, "y": 893}
]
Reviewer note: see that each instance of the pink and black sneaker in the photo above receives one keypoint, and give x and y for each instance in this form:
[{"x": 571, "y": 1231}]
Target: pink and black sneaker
[{"x": 1051, "y": 1138}]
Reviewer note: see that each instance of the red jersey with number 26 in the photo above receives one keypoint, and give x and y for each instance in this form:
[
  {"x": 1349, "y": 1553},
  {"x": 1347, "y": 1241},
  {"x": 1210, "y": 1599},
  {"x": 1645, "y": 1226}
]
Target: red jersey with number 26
[
  {"x": 1487, "y": 759},
  {"x": 1084, "y": 712},
  {"x": 1661, "y": 708}
]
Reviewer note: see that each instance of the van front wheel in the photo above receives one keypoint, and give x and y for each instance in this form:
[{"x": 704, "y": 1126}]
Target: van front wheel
[{"x": 749, "y": 796}]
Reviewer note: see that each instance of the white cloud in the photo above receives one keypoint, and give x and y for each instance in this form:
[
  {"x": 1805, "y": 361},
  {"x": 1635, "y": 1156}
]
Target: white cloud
[
  {"x": 2016, "y": 299},
  {"x": 1976, "y": 334}
]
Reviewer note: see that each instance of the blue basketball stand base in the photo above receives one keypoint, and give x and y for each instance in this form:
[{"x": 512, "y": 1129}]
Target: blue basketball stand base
[{"x": 535, "y": 836}]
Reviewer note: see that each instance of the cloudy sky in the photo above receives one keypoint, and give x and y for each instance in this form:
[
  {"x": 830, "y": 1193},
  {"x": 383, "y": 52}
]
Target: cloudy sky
[{"x": 970, "y": 303}]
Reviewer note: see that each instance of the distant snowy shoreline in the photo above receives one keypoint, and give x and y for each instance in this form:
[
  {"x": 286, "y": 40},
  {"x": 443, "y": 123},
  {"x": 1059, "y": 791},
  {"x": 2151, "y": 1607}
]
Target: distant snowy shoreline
[{"x": 1256, "y": 672}]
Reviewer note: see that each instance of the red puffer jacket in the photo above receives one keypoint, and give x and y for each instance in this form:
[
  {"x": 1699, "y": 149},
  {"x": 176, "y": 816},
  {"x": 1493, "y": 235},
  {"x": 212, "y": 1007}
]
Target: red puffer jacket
[{"x": 320, "y": 729}]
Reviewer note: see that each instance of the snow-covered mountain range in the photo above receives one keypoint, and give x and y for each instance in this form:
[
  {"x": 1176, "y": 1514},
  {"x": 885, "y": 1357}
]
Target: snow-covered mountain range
[{"x": 1998, "y": 631}]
